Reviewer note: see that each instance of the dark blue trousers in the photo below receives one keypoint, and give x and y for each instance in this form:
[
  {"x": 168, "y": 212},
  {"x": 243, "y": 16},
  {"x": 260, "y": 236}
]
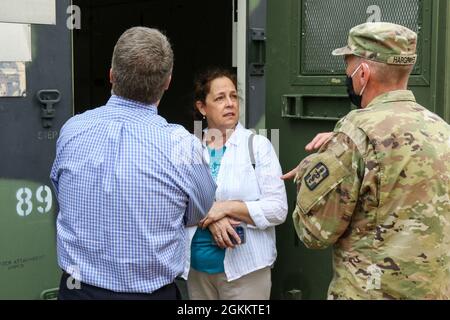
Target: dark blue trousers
[{"x": 88, "y": 292}]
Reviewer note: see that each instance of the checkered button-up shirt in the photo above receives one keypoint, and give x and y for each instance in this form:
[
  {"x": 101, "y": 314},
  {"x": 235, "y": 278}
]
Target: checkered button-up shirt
[{"x": 127, "y": 184}]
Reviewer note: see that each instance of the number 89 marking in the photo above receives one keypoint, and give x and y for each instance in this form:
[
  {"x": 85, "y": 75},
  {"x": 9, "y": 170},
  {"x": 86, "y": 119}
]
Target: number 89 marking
[
  {"x": 24, "y": 200},
  {"x": 25, "y": 206}
]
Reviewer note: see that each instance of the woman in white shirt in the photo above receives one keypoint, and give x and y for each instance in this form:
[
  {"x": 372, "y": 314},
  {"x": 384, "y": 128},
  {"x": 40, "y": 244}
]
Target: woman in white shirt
[{"x": 249, "y": 192}]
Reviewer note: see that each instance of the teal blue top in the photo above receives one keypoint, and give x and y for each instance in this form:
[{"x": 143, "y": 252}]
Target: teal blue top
[{"x": 206, "y": 256}]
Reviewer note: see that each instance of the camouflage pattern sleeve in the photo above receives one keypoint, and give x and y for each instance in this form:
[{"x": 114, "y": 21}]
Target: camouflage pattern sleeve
[{"x": 328, "y": 184}]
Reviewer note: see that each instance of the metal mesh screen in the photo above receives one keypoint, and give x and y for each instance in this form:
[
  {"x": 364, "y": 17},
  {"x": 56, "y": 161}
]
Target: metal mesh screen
[{"x": 325, "y": 26}]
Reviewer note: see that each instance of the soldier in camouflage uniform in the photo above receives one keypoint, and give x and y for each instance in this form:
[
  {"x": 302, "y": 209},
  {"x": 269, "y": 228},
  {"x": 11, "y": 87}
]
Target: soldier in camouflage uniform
[{"x": 378, "y": 189}]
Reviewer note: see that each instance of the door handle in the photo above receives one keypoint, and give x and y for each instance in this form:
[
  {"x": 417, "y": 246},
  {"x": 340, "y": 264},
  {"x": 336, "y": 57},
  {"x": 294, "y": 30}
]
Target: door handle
[
  {"x": 257, "y": 52},
  {"x": 48, "y": 98},
  {"x": 324, "y": 107}
]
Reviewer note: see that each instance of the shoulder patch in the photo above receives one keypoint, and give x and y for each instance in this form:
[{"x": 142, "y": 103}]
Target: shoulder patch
[{"x": 316, "y": 176}]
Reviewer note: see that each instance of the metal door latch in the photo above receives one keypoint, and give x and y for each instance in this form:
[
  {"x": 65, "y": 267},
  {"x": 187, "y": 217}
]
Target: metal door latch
[
  {"x": 257, "y": 54},
  {"x": 48, "y": 98}
]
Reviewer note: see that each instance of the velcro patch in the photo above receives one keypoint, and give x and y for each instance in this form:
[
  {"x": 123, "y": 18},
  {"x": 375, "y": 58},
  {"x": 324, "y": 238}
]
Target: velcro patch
[
  {"x": 316, "y": 176},
  {"x": 326, "y": 174}
]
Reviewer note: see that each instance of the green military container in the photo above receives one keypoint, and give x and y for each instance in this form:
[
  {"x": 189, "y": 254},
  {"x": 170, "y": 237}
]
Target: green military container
[
  {"x": 30, "y": 120},
  {"x": 306, "y": 95}
]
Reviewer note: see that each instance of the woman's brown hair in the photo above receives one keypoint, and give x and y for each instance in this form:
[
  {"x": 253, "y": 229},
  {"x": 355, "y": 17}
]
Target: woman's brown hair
[{"x": 202, "y": 85}]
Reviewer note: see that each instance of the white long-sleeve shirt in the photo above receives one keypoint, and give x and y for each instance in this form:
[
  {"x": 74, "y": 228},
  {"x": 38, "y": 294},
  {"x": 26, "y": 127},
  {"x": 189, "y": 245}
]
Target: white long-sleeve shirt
[{"x": 264, "y": 193}]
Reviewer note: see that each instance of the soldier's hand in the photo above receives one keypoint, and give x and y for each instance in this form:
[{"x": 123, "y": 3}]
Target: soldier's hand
[
  {"x": 318, "y": 141},
  {"x": 291, "y": 174},
  {"x": 315, "y": 144},
  {"x": 300, "y": 169}
]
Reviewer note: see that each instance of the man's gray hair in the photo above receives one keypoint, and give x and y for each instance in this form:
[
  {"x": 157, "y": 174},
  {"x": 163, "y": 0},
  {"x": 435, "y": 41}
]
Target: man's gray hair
[{"x": 141, "y": 65}]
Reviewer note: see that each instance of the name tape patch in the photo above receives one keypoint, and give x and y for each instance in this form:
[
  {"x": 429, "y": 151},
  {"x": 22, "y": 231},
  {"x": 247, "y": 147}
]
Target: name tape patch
[
  {"x": 402, "y": 60},
  {"x": 316, "y": 176}
]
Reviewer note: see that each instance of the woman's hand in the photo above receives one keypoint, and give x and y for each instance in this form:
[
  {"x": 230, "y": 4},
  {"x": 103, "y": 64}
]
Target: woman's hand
[
  {"x": 233, "y": 209},
  {"x": 222, "y": 230},
  {"x": 218, "y": 211}
]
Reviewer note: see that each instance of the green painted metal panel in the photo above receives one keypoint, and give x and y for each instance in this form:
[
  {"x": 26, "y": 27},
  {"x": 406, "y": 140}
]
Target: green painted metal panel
[
  {"x": 298, "y": 273},
  {"x": 28, "y": 264},
  {"x": 27, "y": 242},
  {"x": 306, "y": 95}
]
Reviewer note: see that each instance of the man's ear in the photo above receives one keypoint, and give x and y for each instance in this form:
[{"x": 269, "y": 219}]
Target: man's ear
[
  {"x": 167, "y": 83},
  {"x": 366, "y": 72},
  {"x": 111, "y": 77},
  {"x": 200, "y": 107}
]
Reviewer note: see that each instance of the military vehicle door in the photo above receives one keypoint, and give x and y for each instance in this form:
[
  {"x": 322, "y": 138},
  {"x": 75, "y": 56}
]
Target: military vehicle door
[
  {"x": 35, "y": 101},
  {"x": 306, "y": 95}
]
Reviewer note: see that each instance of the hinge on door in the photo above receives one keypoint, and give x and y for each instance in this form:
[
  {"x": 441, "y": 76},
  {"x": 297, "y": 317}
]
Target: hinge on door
[{"x": 257, "y": 52}]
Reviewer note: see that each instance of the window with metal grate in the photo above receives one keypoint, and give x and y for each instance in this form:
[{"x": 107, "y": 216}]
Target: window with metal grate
[{"x": 325, "y": 26}]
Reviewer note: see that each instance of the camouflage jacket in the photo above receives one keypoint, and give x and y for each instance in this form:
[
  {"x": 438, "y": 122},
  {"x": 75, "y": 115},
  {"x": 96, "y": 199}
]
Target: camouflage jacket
[{"x": 378, "y": 191}]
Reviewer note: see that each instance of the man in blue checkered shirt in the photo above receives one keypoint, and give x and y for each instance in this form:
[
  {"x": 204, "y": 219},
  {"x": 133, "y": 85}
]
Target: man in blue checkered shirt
[{"x": 128, "y": 183}]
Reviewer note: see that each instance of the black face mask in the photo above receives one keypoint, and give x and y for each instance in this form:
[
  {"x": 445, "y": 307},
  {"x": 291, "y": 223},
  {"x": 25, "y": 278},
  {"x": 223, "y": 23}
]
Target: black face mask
[{"x": 354, "y": 98}]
